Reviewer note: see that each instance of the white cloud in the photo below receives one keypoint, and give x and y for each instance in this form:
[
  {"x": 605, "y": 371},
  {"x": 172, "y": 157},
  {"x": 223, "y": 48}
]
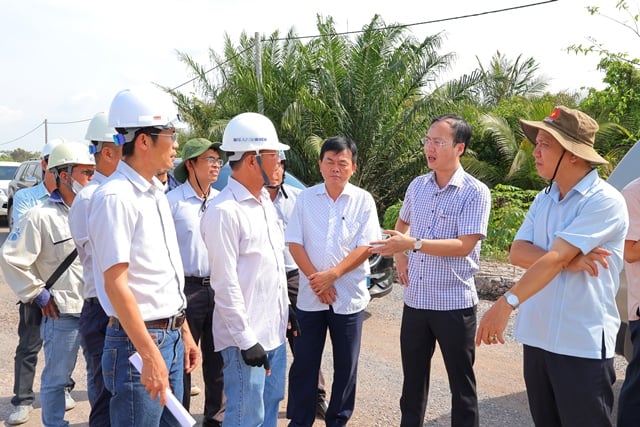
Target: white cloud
[{"x": 9, "y": 115}]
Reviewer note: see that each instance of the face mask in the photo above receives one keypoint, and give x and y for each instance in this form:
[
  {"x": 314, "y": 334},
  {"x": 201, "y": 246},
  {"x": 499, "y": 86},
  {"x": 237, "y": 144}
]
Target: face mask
[{"x": 76, "y": 186}]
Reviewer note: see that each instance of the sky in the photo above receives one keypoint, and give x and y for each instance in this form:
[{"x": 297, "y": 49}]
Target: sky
[{"x": 64, "y": 60}]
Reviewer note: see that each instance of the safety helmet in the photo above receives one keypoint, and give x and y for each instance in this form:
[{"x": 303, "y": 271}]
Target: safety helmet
[
  {"x": 144, "y": 106},
  {"x": 250, "y": 132},
  {"x": 49, "y": 146},
  {"x": 70, "y": 153},
  {"x": 99, "y": 129}
]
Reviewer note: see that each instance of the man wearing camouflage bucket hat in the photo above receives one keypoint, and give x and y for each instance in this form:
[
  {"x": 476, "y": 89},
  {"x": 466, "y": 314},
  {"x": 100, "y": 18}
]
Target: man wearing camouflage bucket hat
[
  {"x": 572, "y": 243},
  {"x": 202, "y": 160}
]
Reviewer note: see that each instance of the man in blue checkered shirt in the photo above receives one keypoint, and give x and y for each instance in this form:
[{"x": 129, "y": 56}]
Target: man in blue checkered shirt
[{"x": 436, "y": 243}]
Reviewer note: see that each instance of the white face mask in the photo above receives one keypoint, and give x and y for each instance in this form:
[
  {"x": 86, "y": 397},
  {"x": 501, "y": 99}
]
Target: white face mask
[{"x": 76, "y": 186}]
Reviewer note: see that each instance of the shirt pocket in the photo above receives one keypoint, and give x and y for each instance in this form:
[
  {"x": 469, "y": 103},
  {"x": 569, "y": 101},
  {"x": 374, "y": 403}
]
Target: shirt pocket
[
  {"x": 348, "y": 233},
  {"x": 446, "y": 225}
]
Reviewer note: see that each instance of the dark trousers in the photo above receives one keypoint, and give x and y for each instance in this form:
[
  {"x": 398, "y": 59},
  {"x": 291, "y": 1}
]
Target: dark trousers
[
  {"x": 92, "y": 327},
  {"x": 199, "y": 315},
  {"x": 29, "y": 344},
  {"x": 345, "y": 332},
  {"x": 293, "y": 279},
  {"x": 629, "y": 399},
  {"x": 568, "y": 391},
  {"x": 454, "y": 331}
]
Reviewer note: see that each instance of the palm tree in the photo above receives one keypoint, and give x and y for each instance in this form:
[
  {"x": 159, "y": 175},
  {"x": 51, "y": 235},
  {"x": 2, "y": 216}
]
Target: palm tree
[
  {"x": 504, "y": 78},
  {"x": 378, "y": 89}
]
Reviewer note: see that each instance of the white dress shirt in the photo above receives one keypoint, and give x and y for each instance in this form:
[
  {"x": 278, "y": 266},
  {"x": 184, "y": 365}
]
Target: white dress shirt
[
  {"x": 330, "y": 230},
  {"x": 79, "y": 226},
  {"x": 130, "y": 222},
  {"x": 245, "y": 244},
  {"x": 186, "y": 209}
]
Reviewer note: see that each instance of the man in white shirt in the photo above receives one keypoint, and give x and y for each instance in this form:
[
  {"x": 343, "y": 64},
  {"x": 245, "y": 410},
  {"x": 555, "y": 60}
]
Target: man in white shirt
[
  {"x": 284, "y": 198},
  {"x": 93, "y": 320},
  {"x": 328, "y": 236},
  {"x": 246, "y": 252},
  {"x": 202, "y": 160},
  {"x": 37, "y": 246},
  {"x": 139, "y": 274}
]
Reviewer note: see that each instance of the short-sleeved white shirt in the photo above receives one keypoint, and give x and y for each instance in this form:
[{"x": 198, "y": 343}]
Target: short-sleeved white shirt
[
  {"x": 186, "y": 209},
  {"x": 329, "y": 230},
  {"x": 573, "y": 313},
  {"x": 130, "y": 222},
  {"x": 79, "y": 226},
  {"x": 245, "y": 244}
]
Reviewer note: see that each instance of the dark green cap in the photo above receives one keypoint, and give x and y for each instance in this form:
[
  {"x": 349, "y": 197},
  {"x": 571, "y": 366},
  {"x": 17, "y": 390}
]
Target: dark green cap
[{"x": 192, "y": 149}]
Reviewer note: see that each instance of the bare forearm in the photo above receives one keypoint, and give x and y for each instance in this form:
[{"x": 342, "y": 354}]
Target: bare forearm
[
  {"x": 632, "y": 250},
  {"x": 302, "y": 259},
  {"x": 355, "y": 258},
  {"x": 524, "y": 254}
]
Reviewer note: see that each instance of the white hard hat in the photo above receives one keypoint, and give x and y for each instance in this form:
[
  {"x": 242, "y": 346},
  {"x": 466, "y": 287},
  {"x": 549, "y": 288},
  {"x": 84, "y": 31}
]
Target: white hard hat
[
  {"x": 142, "y": 107},
  {"x": 70, "y": 153},
  {"x": 49, "y": 146},
  {"x": 99, "y": 129},
  {"x": 250, "y": 132}
]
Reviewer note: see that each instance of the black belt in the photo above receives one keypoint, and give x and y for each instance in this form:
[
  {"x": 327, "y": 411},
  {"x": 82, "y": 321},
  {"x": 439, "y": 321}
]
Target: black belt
[
  {"x": 292, "y": 273},
  {"x": 92, "y": 300},
  {"x": 202, "y": 281},
  {"x": 173, "y": 322}
]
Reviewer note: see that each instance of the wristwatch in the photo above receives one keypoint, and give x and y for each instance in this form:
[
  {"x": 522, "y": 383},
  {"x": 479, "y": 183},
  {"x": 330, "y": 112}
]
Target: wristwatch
[
  {"x": 417, "y": 245},
  {"x": 512, "y": 299}
]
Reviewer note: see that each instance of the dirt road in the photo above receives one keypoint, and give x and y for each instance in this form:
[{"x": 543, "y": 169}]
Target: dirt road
[{"x": 498, "y": 368}]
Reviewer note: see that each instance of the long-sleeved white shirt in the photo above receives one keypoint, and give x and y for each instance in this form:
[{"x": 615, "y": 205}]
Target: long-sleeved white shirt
[{"x": 245, "y": 244}]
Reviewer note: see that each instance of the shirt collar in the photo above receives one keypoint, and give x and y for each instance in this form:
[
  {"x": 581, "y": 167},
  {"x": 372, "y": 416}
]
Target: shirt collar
[
  {"x": 348, "y": 190},
  {"x": 56, "y": 197},
  {"x": 582, "y": 187},
  {"x": 138, "y": 180},
  {"x": 241, "y": 194},
  {"x": 457, "y": 179}
]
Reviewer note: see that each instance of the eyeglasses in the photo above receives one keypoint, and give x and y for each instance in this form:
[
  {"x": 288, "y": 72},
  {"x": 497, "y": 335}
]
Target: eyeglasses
[
  {"x": 173, "y": 136},
  {"x": 87, "y": 172},
  {"x": 436, "y": 142},
  {"x": 214, "y": 161}
]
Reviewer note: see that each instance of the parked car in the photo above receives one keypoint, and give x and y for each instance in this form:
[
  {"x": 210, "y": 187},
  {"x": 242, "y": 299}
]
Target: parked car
[
  {"x": 7, "y": 171},
  {"x": 625, "y": 172},
  {"x": 381, "y": 279},
  {"x": 28, "y": 174}
]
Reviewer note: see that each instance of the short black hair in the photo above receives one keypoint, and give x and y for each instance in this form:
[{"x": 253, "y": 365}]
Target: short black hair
[
  {"x": 339, "y": 144},
  {"x": 128, "y": 148},
  {"x": 461, "y": 128}
]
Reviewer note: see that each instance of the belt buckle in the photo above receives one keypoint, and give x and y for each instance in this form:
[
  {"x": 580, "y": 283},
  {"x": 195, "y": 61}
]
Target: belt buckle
[
  {"x": 206, "y": 281},
  {"x": 174, "y": 320}
]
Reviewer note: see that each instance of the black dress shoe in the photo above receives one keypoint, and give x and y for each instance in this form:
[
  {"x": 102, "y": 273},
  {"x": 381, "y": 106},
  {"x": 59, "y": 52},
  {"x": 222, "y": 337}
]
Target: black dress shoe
[{"x": 321, "y": 408}]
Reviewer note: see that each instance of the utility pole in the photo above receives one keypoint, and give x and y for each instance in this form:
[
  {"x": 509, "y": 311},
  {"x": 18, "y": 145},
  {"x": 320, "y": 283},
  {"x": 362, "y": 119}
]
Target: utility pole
[
  {"x": 258, "y": 54},
  {"x": 46, "y": 132}
]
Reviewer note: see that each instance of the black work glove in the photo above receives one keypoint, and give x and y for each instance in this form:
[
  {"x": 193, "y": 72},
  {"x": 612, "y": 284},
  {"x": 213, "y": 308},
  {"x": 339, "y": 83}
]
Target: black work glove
[
  {"x": 256, "y": 356},
  {"x": 293, "y": 328}
]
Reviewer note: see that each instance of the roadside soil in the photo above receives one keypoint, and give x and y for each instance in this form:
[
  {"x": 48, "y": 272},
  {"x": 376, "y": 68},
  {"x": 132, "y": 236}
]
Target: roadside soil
[{"x": 501, "y": 391}]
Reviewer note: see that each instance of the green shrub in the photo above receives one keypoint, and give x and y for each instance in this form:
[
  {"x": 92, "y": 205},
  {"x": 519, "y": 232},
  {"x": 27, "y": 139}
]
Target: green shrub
[
  {"x": 391, "y": 216},
  {"x": 509, "y": 206}
]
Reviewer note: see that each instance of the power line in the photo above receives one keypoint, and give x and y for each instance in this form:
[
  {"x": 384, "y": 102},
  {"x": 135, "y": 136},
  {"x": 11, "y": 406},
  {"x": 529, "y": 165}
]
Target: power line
[
  {"x": 433, "y": 21},
  {"x": 69, "y": 123},
  {"x": 20, "y": 137},
  {"x": 40, "y": 125},
  {"x": 415, "y": 24}
]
